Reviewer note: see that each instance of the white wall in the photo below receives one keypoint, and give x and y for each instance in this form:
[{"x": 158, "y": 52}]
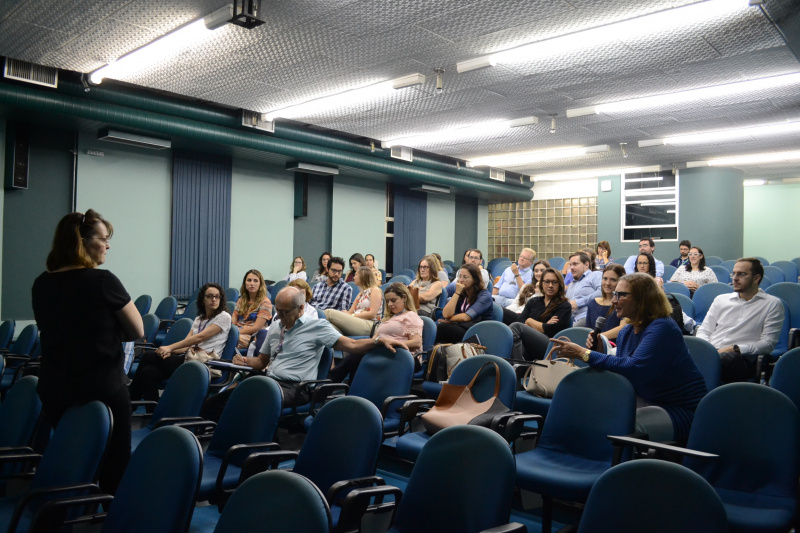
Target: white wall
[
  {"x": 441, "y": 226},
  {"x": 262, "y": 221},
  {"x": 358, "y": 220}
]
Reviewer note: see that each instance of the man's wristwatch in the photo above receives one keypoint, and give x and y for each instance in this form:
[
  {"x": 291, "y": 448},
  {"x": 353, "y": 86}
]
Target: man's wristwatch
[{"x": 586, "y": 355}]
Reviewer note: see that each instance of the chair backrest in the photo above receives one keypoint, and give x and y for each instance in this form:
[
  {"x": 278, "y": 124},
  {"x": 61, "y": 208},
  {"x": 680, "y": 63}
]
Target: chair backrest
[
  {"x": 484, "y": 385},
  {"x": 275, "y": 288},
  {"x": 669, "y": 270},
  {"x": 342, "y": 442},
  {"x": 722, "y": 273},
  {"x": 790, "y": 271},
  {"x": 232, "y": 294},
  {"x": 790, "y": 294},
  {"x": 687, "y": 305},
  {"x": 496, "y": 260},
  {"x": 184, "y": 394},
  {"x": 496, "y": 336},
  {"x": 765, "y": 283},
  {"x": 407, "y": 272},
  {"x": 463, "y": 480},
  {"x": 179, "y": 330},
  {"x": 589, "y": 405},
  {"x": 774, "y": 274},
  {"x": 294, "y": 504},
  {"x": 763, "y": 260},
  {"x": 729, "y": 264},
  {"x": 230, "y": 307},
  {"x": 796, "y": 261},
  {"x": 25, "y": 342},
  {"x": 428, "y": 333},
  {"x": 704, "y": 297},
  {"x": 574, "y": 334},
  {"x": 354, "y": 292},
  {"x": 497, "y": 312},
  {"x": 382, "y": 374},
  {"x": 321, "y": 314},
  {"x": 760, "y": 461},
  {"x": 325, "y": 363},
  {"x": 7, "y": 332},
  {"x": 653, "y": 496},
  {"x": 250, "y": 416},
  {"x": 190, "y": 311},
  {"x": 712, "y": 260},
  {"x": 557, "y": 262},
  {"x": 76, "y": 447},
  {"x": 499, "y": 268},
  {"x": 706, "y": 359},
  {"x": 150, "y": 325},
  {"x": 166, "y": 308},
  {"x": 786, "y": 376},
  {"x": 782, "y": 346},
  {"x": 405, "y": 280},
  {"x": 157, "y": 491},
  {"x": 143, "y": 304},
  {"x": 19, "y": 413},
  {"x": 230, "y": 344},
  {"x": 676, "y": 287}
]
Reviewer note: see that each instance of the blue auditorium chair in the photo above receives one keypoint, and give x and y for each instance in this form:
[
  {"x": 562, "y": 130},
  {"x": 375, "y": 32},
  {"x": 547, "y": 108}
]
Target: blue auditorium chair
[
  {"x": 275, "y": 288},
  {"x": 774, "y": 275},
  {"x": 165, "y": 311},
  {"x": 232, "y": 294},
  {"x": 19, "y": 413},
  {"x": 704, "y": 297},
  {"x": 706, "y": 359},
  {"x": 405, "y": 280},
  {"x": 428, "y": 338},
  {"x": 494, "y": 335},
  {"x": 790, "y": 294},
  {"x": 676, "y": 287},
  {"x": 729, "y": 264},
  {"x": 7, "y": 333},
  {"x": 722, "y": 273},
  {"x": 712, "y": 260},
  {"x": 18, "y": 353},
  {"x": 786, "y": 376},
  {"x": 669, "y": 270},
  {"x": 789, "y": 269},
  {"x": 143, "y": 304},
  {"x": 228, "y": 351},
  {"x": 687, "y": 305},
  {"x": 763, "y": 260},
  {"x": 557, "y": 262}
]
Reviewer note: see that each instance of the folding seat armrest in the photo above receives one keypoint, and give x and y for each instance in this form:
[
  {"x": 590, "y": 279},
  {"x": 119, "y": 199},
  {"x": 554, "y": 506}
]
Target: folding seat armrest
[
  {"x": 243, "y": 453},
  {"x": 411, "y": 409},
  {"x": 85, "y": 494},
  {"x": 326, "y": 391},
  {"x": 260, "y": 458},
  {"x": 337, "y": 488},
  {"x": 197, "y": 425},
  {"x": 52, "y": 516},
  {"x": 357, "y": 504},
  {"x": 511, "y": 426},
  {"x": 387, "y": 403},
  {"x": 660, "y": 450},
  {"x": 512, "y": 527},
  {"x": 165, "y": 322},
  {"x": 142, "y": 403}
]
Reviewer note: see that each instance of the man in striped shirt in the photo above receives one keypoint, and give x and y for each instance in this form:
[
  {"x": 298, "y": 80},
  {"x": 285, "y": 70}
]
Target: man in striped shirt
[{"x": 333, "y": 293}]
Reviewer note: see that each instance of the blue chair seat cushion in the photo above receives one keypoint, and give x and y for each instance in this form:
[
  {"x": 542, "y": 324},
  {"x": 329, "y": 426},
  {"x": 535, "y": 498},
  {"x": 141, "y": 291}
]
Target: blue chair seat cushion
[
  {"x": 531, "y": 404},
  {"x": 756, "y": 512},
  {"x": 211, "y": 466},
  {"x": 557, "y": 474},
  {"x": 409, "y": 445}
]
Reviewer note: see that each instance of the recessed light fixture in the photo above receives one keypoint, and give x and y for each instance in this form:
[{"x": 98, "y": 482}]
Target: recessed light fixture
[
  {"x": 643, "y": 26},
  {"x": 344, "y": 99},
  {"x": 520, "y": 159},
  {"x": 493, "y": 128},
  {"x": 726, "y": 135},
  {"x": 751, "y": 159},
  {"x": 754, "y": 183},
  {"x": 594, "y": 173}
]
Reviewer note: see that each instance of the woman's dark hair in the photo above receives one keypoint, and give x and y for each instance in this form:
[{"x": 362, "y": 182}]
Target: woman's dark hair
[
  {"x": 701, "y": 265},
  {"x": 560, "y": 296},
  {"x": 604, "y": 245},
  {"x": 537, "y": 283},
  {"x": 477, "y": 282},
  {"x": 592, "y": 253},
  {"x": 651, "y": 269},
  {"x": 323, "y": 268},
  {"x": 68, "y": 247},
  {"x": 618, "y": 269},
  {"x": 357, "y": 257},
  {"x": 201, "y": 301}
]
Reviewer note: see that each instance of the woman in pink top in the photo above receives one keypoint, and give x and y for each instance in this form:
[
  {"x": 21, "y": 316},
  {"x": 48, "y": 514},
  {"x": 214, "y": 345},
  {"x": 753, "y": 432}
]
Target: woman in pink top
[{"x": 400, "y": 322}]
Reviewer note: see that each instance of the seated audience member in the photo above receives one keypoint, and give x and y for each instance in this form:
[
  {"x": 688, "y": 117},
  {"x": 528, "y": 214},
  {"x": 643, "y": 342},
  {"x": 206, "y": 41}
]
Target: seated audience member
[
  {"x": 652, "y": 355},
  {"x": 744, "y": 324},
  {"x": 429, "y": 286},
  {"x": 529, "y": 290},
  {"x": 292, "y": 351},
  {"x": 253, "y": 311},
  {"x": 566, "y": 270},
  {"x": 683, "y": 258},
  {"x": 646, "y": 246},
  {"x": 298, "y": 270},
  {"x": 542, "y": 318},
  {"x": 695, "y": 272},
  {"x": 364, "y": 314},
  {"x": 475, "y": 257},
  {"x": 334, "y": 293},
  {"x": 303, "y": 287},
  {"x": 646, "y": 264},
  {"x": 585, "y": 288},
  {"x": 603, "y": 255},
  {"x": 400, "y": 323},
  {"x": 209, "y": 333},
  {"x": 470, "y": 304},
  {"x": 321, "y": 273},
  {"x": 603, "y": 306},
  {"x": 356, "y": 261},
  {"x": 440, "y": 273},
  {"x": 370, "y": 262},
  {"x": 514, "y": 277}
]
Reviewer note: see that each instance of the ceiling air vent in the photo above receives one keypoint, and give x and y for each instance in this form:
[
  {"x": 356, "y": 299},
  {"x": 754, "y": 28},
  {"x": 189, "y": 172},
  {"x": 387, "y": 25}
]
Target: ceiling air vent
[
  {"x": 251, "y": 119},
  {"x": 497, "y": 174},
  {"x": 30, "y": 73},
  {"x": 133, "y": 139},
  {"x": 403, "y": 152}
]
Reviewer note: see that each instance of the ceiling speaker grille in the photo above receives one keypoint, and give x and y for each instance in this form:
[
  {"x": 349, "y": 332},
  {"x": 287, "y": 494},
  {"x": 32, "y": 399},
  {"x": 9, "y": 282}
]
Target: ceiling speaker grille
[
  {"x": 403, "y": 152},
  {"x": 30, "y": 73},
  {"x": 497, "y": 174}
]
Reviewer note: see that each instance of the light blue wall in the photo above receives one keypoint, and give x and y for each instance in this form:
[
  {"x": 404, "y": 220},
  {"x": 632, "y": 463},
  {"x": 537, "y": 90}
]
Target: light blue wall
[
  {"x": 483, "y": 227},
  {"x": 767, "y": 232},
  {"x": 358, "y": 218},
  {"x": 441, "y": 226},
  {"x": 132, "y": 188},
  {"x": 262, "y": 221}
]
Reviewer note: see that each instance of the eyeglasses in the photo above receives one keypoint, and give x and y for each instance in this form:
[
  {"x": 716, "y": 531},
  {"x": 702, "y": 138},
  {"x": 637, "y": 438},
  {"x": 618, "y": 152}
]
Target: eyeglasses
[
  {"x": 643, "y": 263},
  {"x": 332, "y": 271},
  {"x": 213, "y": 296},
  {"x": 474, "y": 257},
  {"x": 616, "y": 295},
  {"x": 740, "y": 274},
  {"x": 284, "y": 312},
  {"x": 693, "y": 254},
  {"x": 550, "y": 282},
  {"x": 424, "y": 267},
  {"x": 298, "y": 262}
]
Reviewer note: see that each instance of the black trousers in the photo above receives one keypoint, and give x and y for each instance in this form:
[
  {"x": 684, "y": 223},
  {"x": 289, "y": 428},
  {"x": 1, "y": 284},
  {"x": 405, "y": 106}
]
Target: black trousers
[
  {"x": 151, "y": 372},
  {"x": 451, "y": 332},
  {"x": 529, "y": 344},
  {"x": 736, "y": 367}
]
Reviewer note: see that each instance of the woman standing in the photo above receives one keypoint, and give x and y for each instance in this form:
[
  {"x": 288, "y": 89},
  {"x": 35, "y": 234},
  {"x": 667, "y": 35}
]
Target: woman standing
[
  {"x": 356, "y": 261},
  {"x": 365, "y": 312},
  {"x": 84, "y": 315},
  {"x": 298, "y": 270},
  {"x": 694, "y": 273},
  {"x": 209, "y": 333},
  {"x": 470, "y": 304},
  {"x": 321, "y": 273},
  {"x": 428, "y": 285},
  {"x": 602, "y": 306},
  {"x": 542, "y": 318},
  {"x": 253, "y": 311}
]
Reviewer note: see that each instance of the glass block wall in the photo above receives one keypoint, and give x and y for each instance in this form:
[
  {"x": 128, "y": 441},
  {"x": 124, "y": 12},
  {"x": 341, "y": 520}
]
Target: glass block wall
[{"x": 554, "y": 227}]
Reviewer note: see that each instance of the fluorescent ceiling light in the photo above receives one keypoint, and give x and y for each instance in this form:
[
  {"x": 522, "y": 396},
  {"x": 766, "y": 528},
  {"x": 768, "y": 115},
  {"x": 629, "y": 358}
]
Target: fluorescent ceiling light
[
  {"x": 164, "y": 47},
  {"x": 345, "y": 99},
  {"x": 752, "y": 159},
  {"x": 753, "y": 183},
  {"x": 594, "y": 173},
  {"x": 492, "y": 128},
  {"x": 650, "y": 192},
  {"x": 519, "y": 159},
  {"x": 636, "y": 180},
  {"x": 682, "y": 97},
  {"x": 656, "y": 202},
  {"x": 639, "y": 27},
  {"x": 719, "y": 136}
]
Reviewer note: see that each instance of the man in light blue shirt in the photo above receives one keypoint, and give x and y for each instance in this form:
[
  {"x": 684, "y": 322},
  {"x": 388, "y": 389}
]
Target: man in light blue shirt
[
  {"x": 584, "y": 287},
  {"x": 514, "y": 277},
  {"x": 646, "y": 246}
]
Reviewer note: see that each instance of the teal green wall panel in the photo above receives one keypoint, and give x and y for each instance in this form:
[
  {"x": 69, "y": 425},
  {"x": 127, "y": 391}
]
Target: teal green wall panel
[
  {"x": 262, "y": 220},
  {"x": 483, "y": 227},
  {"x": 358, "y": 219},
  {"x": 767, "y": 230},
  {"x": 132, "y": 188},
  {"x": 312, "y": 233},
  {"x": 466, "y": 221},
  {"x": 441, "y": 226}
]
